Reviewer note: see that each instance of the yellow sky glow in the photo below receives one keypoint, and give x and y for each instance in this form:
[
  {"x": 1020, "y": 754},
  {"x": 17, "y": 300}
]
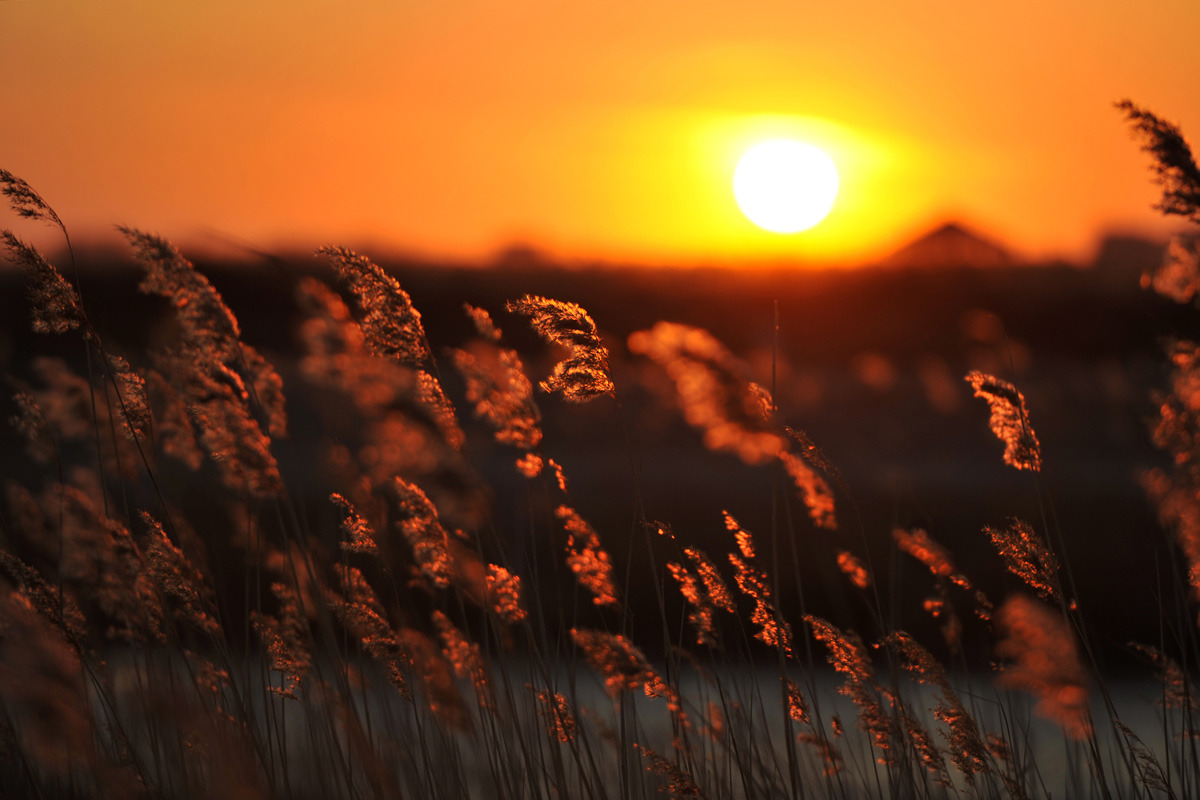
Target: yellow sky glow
[{"x": 590, "y": 130}]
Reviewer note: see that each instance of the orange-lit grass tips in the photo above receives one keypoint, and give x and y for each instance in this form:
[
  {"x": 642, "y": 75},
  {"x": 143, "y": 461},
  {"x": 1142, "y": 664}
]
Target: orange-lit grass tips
[
  {"x": 921, "y": 546},
  {"x": 753, "y": 583},
  {"x": 587, "y": 559},
  {"x": 584, "y": 374},
  {"x": 967, "y": 748},
  {"x": 680, "y": 784},
  {"x": 854, "y": 569},
  {"x": 797, "y": 707},
  {"x": 701, "y": 617},
  {"x": 504, "y": 594},
  {"x": 714, "y": 393},
  {"x": 1027, "y": 556},
  {"x": 620, "y": 664},
  {"x": 390, "y": 321},
  {"x": 1009, "y": 420},
  {"x": 1044, "y": 662},
  {"x": 745, "y": 541},
  {"x": 465, "y": 658},
  {"x": 714, "y": 587},
  {"x": 359, "y": 536},
  {"x": 555, "y": 710},
  {"x": 418, "y": 522}
]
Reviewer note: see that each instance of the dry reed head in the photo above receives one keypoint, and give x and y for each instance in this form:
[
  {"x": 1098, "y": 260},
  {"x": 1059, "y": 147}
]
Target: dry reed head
[
  {"x": 1176, "y": 170},
  {"x": 1178, "y": 276},
  {"x": 619, "y": 663},
  {"x": 504, "y": 594},
  {"x": 56, "y": 306},
  {"x": 357, "y": 534},
  {"x": 814, "y": 491},
  {"x": 584, "y": 374},
  {"x": 735, "y": 414},
  {"x": 1027, "y": 556},
  {"x": 921, "y": 546},
  {"x": 132, "y": 404},
  {"x": 499, "y": 388},
  {"x": 104, "y": 567},
  {"x": 1177, "y": 691},
  {"x": 207, "y": 327},
  {"x": 31, "y": 423},
  {"x": 465, "y": 659},
  {"x": 43, "y": 690},
  {"x": 744, "y": 539},
  {"x": 358, "y": 609},
  {"x": 587, "y": 559},
  {"x": 286, "y": 639},
  {"x": 179, "y": 582},
  {"x": 853, "y": 569},
  {"x": 25, "y": 201},
  {"x": 555, "y": 710},
  {"x": 797, "y": 707},
  {"x": 418, "y": 522},
  {"x": 966, "y": 747},
  {"x": 923, "y": 746},
  {"x": 217, "y": 379},
  {"x": 847, "y": 655},
  {"x": 431, "y": 395},
  {"x": 714, "y": 587},
  {"x": 701, "y": 616},
  {"x": 392, "y": 325},
  {"x": 679, "y": 783},
  {"x": 753, "y": 583},
  {"x": 1044, "y": 662},
  {"x": 441, "y": 693},
  {"x": 714, "y": 392},
  {"x": 1009, "y": 420}
]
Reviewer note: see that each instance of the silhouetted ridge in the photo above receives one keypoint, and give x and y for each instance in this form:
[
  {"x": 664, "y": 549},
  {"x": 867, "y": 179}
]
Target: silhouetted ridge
[{"x": 950, "y": 245}]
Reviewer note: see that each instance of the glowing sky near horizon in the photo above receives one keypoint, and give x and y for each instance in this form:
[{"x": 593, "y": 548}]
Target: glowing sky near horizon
[{"x": 599, "y": 130}]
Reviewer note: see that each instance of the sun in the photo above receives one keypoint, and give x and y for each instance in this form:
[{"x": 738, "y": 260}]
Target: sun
[{"x": 785, "y": 186}]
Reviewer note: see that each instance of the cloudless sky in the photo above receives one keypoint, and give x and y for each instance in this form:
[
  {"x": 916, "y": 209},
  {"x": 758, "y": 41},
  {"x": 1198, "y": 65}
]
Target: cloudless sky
[{"x": 610, "y": 130}]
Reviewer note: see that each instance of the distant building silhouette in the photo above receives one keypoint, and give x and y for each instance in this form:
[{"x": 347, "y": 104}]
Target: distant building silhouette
[{"x": 950, "y": 245}]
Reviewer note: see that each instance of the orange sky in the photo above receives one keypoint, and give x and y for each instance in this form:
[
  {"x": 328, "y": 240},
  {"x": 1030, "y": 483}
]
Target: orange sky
[{"x": 605, "y": 130}]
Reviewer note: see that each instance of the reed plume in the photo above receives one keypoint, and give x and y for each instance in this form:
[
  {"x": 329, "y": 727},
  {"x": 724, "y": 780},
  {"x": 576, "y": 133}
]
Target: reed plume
[
  {"x": 1027, "y": 556},
  {"x": 1009, "y": 420},
  {"x": 621, "y": 665},
  {"x": 357, "y": 534},
  {"x": 853, "y": 569},
  {"x": 390, "y": 321},
  {"x": 500, "y": 390},
  {"x": 286, "y": 639},
  {"x": 587, "y": 558},
  {"x": 1174, "y": 167},
  {"x": 504, "y": 594},
  {"x": 417, "y": 521},
  {"x": 56, "y": 306},
  {"x": 735, "y": 413},
  {"x": 701, "y": 616},
  {"x": 679, "y": 783},
  {"x": 555, "y": 710},
  {"x": 465, "y": 659},
  {"x": 1044, "y": 662},
  {"x": 966, "y": 746},
  {"x": 753, "y": 583},
  {"x": 584, "y": 374},
  {"x": 178, "y": 581}
]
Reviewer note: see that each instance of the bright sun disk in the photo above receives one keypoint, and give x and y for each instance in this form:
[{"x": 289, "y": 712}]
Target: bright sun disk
[{"x": 785, "y": 186}]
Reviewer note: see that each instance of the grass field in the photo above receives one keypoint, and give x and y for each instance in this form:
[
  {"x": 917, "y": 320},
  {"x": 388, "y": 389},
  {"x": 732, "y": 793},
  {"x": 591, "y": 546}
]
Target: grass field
[{"x": 337, "y": 545}]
